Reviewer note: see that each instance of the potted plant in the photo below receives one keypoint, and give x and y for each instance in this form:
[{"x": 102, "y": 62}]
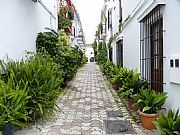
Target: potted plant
[
  {"x": 169, "y": 124},
  {"x": 12, "y": 106},
  {"x": 149, "y": 103},
  {"x": 117, "y": 77},
  {"x": 132, "y": 85},
  {"x": 116, "y": 81}
]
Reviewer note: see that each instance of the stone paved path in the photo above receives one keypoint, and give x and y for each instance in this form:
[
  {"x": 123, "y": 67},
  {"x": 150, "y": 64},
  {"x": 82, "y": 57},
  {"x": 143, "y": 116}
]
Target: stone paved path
[{"x": 85, "y": 104}]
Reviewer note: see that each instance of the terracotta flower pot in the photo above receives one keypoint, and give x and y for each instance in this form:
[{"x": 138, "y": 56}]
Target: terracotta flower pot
[
  {"x": 147, "y": 120},
  {"x": 131, "y": 102},
  {"x": 116, "y": 86},
  {"x": 7, "y": 129}
]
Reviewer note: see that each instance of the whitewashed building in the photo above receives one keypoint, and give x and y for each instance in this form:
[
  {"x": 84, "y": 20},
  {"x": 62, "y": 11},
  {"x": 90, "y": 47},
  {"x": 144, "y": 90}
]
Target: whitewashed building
[
  {"x": 109, "y": 25},
  {"x": 149, "y": 41},
  {"x": 21, "y": 20},
  {"x": 77, "y": 35}
]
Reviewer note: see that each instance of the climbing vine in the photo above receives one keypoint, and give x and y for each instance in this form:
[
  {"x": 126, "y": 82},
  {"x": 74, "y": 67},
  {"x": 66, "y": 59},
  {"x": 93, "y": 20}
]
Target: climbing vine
[{"x": 122, "y": 23}]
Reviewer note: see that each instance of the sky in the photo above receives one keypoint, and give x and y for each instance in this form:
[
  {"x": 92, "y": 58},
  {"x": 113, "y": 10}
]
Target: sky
[{"x": 90, "y": 13}]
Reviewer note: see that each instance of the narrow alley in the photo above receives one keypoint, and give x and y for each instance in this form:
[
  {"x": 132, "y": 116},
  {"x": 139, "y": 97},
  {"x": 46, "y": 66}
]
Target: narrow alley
[{"x": 87, "y": 107}]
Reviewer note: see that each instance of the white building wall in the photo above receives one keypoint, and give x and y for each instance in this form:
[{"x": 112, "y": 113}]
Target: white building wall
[
  {"x": 171, "y": 19},
  {"x": 112, "y": 5},
  {"x": 114, "y": 58},
  {"x": 20, "y": 22},
  {"x": 77, "y": 34},
  {"x": 131, "y": 43},
  {"x": 115, "y": 17},
  {"x": 128, "y": 6}
]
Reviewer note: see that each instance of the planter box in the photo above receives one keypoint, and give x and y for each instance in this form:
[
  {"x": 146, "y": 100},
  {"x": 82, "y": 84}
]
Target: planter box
[{"x": 7, "y": 129}]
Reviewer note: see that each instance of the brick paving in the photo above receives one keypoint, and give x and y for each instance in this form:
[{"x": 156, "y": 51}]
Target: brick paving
[{"x": 84, "y": 104}]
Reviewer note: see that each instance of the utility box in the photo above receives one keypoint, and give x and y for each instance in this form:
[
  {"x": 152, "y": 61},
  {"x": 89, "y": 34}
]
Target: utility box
[{"x": 174, "y": 65}]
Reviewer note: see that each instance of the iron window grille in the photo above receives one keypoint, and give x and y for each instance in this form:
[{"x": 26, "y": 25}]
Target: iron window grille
[{"x": 151, "y": 48}]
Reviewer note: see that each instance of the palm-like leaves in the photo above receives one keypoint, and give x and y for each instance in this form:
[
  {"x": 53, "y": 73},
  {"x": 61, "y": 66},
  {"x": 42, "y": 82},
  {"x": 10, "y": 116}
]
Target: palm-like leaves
[
  {"x": 150, "y": 101},
  {"x": 132, "y": 83},
  {"x": 169, "y": 124},
  {"x": 13, "y": 100}
]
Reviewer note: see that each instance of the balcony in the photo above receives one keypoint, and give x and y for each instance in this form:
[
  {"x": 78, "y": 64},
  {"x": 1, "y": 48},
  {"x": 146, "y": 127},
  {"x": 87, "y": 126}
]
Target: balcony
[
  {"x": 67, "y": 30},
  {"x": 103, "y": 33},
  {"x": 80, "y": 34}
]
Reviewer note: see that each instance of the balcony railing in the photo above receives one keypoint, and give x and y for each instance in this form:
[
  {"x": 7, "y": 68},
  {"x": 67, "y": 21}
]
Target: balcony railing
[{"x": 103, "y": 30}]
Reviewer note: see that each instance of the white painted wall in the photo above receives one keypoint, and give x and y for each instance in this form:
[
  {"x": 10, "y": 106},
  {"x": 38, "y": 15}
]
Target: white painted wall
[
  {"x": 130, "y": 34},
  {"x": 131, "y": 44},
  {"x": 171, "y": 47},
  {"x": 115, "y": 18},
  {"x": 128, "y": 6},
  {"x": 20, "y": 21}
]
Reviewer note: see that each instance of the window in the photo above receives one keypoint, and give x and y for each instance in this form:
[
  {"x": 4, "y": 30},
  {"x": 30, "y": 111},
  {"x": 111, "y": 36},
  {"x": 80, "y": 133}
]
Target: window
[
  {"x": 177, "y": 63},
  {"x": 74, "y": 29},
  {"x": 171, "y": 63},
  {"x": 109, "y": 19},
  {"x": 151, "y": 48},
  {"x": 119, "y": 53}
]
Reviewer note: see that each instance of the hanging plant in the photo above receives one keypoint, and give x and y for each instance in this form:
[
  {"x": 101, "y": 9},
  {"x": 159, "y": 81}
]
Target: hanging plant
[{"x": 63, "y": 20}]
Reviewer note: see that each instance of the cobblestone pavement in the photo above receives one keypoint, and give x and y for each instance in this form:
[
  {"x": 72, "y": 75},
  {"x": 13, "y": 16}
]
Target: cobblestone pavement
[{"x": 85, "y": 103}]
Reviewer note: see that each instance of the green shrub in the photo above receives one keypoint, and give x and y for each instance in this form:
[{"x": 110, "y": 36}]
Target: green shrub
[
  {"x": 101, "y": 56},
  {"x": 107, "y": 69},
  {"x": 60, "y": 50},
  {"x": 43, "y": 78},
  {"x": 46, "y": 42},
  {"x": 169, "y": 124},
  {"x": 13, "y": 103},
  {"x": 132, "y": 84}
]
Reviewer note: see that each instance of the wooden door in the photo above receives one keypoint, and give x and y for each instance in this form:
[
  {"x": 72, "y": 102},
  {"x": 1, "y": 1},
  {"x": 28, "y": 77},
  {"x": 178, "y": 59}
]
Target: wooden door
[{"x": 157, "y": 56}]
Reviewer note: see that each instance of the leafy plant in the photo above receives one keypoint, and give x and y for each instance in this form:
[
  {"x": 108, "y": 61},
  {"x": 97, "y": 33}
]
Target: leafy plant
[
  {"x": 150, "y": 101},
  {"x": 94, "y": 46},
  {"x": 47, "y": 43},
  {"x": 116, "y": 75},
  {"x": 107, "y": 68},
  {"x": 132, "y": 83},
  {"x": 42, "y": 77},
  {"x": 102, "y": 53},
  {"x": 62, "y": 53},
  {"x": 13, "y": 103},
  {"x": 169, "y": 124}
]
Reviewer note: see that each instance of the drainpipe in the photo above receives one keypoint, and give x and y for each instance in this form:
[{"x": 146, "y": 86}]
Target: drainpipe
[{"x": 136, "y": 7}]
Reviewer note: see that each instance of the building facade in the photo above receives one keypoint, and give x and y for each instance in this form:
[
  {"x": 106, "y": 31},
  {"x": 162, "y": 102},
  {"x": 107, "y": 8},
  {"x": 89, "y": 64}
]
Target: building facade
[
  {"x": 77, "y": 35},
  {"x": 148, "y": 40},
  {"x": 109, "y": 25},
  {"x": 74, "y": 30},
  {"x": 20, "y": 21}
]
